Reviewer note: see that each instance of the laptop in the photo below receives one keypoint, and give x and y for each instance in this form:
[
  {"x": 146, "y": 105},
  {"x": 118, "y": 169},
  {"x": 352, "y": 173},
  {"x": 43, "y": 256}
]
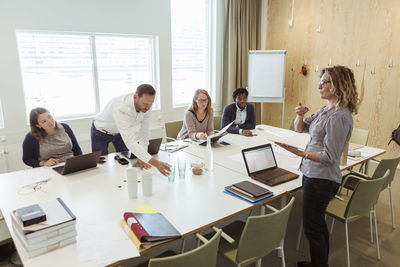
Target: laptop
[
  {"x": 152, "y": 149},
  {"x": 79, "y": 163},
  {"x": 261, "y": 166}
]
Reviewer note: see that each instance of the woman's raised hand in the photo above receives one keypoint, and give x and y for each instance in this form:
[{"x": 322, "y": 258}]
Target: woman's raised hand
[{"x": 301, "y": 111}]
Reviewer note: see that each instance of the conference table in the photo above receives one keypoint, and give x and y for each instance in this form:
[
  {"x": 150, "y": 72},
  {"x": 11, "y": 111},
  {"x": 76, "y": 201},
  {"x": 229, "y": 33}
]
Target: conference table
[{"x": 98, "y": 197}]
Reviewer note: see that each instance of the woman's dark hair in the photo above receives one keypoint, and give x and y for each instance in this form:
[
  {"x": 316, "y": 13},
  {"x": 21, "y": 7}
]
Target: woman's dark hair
[
  {"x": 39, "y": 133},
  {"x": 239, "y": 91}
]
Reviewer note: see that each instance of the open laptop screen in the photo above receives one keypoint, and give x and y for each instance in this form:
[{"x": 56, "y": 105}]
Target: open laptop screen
[{"x": 259, "y": 158}]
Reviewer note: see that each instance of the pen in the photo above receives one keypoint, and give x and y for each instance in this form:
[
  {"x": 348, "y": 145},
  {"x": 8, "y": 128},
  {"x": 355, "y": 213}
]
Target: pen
[{"x": 255, "y": 134}]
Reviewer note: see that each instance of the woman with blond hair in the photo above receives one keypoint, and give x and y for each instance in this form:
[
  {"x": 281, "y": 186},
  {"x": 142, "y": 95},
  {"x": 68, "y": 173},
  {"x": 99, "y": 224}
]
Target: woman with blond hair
[
  {"x": 48, "y": 142},
  {"x": 330, "y": 129},
  {"x": 198, "y": 122}
]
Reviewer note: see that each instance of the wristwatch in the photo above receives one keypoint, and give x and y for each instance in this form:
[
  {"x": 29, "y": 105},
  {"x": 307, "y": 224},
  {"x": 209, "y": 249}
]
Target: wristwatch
[{"x": 306, "y": 156}]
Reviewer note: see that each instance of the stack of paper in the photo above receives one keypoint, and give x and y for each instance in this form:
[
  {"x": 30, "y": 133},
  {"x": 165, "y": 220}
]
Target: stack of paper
[{"x": 57, "y": 231}]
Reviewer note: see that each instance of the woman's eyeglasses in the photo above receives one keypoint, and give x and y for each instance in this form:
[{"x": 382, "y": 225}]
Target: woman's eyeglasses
[
  {"x": 202, "y": 100},
  {"x": 323, "y": 82}
]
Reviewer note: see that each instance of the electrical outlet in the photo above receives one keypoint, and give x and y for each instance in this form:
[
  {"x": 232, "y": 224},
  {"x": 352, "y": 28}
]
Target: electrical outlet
[{"x": 3, "y": 138}]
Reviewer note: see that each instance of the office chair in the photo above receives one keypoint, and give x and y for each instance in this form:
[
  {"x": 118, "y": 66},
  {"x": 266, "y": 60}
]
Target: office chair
[
  {"x": 257, "y": 237},
  {"x": 363, "y": 200},
  {"x": 217, "y": 123},
  {"x": 383, "y": 166},
  {"x": 291, "y": 125},
  {"x": 204, "y": 255},
  {"x": 360, "y": 137},
  {"x": 172, "y": 129}
]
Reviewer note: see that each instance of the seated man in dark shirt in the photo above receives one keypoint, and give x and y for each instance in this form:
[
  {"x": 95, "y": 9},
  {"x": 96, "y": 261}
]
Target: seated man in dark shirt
[{"x": 241, "y": 112}]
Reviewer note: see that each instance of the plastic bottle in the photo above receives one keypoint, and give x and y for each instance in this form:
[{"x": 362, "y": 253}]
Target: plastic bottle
[{"x": 209, "y": 155}]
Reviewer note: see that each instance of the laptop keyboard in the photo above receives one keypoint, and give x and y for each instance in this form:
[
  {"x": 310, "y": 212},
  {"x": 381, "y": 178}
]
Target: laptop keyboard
[{"x": 271, "y": 174}]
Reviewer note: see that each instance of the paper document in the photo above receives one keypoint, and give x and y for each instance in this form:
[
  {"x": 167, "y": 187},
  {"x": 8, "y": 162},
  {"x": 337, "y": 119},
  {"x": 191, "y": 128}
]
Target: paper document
[
  {"x": 236, "y": 157},
  {"x": 104, "y": 243},
  {"x": 214, "y": 137}
]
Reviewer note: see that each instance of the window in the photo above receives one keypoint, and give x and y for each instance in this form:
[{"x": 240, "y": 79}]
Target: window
[
  {"x": 75, "y": 75},
  {"x": 192, "y": 49},
  {"x": 1, "y": 116}
]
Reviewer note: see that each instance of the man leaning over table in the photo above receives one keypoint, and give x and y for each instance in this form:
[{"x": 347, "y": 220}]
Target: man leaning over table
[{"x": 125, "y": 121}]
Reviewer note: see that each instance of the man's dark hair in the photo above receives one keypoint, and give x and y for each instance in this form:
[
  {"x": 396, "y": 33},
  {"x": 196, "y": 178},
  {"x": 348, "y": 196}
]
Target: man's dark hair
[
  {"x": 145, "y": 89},
  {"x": 239, "y": 91}
]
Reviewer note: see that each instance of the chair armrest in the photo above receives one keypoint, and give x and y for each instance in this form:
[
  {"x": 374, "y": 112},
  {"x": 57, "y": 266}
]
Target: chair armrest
[
  {"x": 202, "y": 238},
  {"x": 224, "y": 235},
  {"x": 346, "y": 177},
  {"x": 170, "y": 138},
  {"x": 359, "y": 174}
]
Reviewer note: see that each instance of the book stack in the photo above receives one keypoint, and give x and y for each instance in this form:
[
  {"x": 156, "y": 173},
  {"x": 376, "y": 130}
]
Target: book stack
[
  {"x": 249, "y": 191},
  {"x": 148, "y": 229},
  {"x": 44, "y": 227}
]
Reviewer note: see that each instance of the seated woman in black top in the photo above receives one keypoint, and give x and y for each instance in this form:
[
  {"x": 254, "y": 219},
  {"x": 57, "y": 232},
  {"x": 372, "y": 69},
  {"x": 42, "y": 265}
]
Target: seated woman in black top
[
  {"x": 241, "y": 112},
  {"x": 48, "y": 142}
]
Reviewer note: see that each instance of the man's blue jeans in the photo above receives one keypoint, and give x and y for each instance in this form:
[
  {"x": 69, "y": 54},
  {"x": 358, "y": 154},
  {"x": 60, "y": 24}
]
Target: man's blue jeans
[
  {"x": 101, "y": 140},
  {"x": 316, "y": 196}
]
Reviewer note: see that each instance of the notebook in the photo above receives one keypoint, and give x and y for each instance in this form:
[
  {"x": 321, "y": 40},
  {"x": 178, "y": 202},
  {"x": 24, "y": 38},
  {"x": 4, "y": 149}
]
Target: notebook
[
  {"x": 78, "y": 163},
  {"x": 152, "y": 149},
  {"x": 261, "y": 166},
  {"x": 251, "y": 189},
  {"x": 254, "y": 200}
]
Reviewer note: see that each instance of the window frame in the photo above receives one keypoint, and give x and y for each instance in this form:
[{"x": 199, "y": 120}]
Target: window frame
[
  {"x": 211, "y": 66},
  {"x": 155, "y": 66}
]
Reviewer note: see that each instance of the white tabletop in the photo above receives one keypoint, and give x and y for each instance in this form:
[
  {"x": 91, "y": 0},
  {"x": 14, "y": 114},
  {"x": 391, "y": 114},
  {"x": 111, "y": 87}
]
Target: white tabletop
[
  {"x": 229, "y": 156},
  {"x": 98, "y": 197}
]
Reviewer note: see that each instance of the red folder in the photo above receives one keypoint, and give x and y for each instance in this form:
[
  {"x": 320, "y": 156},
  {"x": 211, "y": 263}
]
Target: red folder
[{"x": 150, "y": 227}]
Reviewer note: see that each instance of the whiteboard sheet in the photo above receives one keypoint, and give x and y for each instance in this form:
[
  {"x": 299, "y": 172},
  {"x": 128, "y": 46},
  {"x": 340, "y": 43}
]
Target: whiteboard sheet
[{"x": 266, "y": 74}]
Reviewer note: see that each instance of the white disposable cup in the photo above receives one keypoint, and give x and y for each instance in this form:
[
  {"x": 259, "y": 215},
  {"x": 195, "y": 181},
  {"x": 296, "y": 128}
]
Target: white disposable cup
[
  {"x": 131, "y": 181},
  {"x": 147, "y": 183}
]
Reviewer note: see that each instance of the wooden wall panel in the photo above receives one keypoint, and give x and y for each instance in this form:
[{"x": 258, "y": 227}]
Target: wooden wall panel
[{"x": 351, "y": 30}]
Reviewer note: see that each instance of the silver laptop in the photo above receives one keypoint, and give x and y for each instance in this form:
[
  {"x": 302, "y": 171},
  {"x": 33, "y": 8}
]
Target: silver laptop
[
  {"x": 79, "y": 163},
  {"x": 261, "y": 166}
]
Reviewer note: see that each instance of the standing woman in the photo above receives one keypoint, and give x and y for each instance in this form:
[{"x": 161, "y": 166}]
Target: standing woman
[
  {"x": 199, "y": 120},
  {"x": 48, "y": 142},
  {"x": 330, "y": 130}
]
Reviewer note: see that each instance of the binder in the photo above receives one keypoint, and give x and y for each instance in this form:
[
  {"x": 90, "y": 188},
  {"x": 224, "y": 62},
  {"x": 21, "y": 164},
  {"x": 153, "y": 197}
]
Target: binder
[{"x": 151, "y": 227}]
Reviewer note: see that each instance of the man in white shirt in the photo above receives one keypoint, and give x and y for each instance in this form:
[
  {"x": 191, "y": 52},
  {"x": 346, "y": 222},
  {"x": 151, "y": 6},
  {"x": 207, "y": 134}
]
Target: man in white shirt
[{"x": 125, "y": 121}]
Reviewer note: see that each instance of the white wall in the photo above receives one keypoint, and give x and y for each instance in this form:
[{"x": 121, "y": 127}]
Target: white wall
[{"x": 151, "y": 17}]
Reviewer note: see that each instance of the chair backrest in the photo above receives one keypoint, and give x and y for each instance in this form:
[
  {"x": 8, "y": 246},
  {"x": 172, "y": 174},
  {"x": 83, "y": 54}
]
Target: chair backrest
[
  {"x": 262, "y": 234},
  {"x": 383, "y": 166},
  {"x": 359, "y": 136},
  {"x": 111, "y": 148},
  {"x": 205, "y": 255},
  {"x": 291, "y": 125},
  {"x": 364, "y": 196},
  {"x": 172, "y": 128},
  {"x": 217, "y": 122}
]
